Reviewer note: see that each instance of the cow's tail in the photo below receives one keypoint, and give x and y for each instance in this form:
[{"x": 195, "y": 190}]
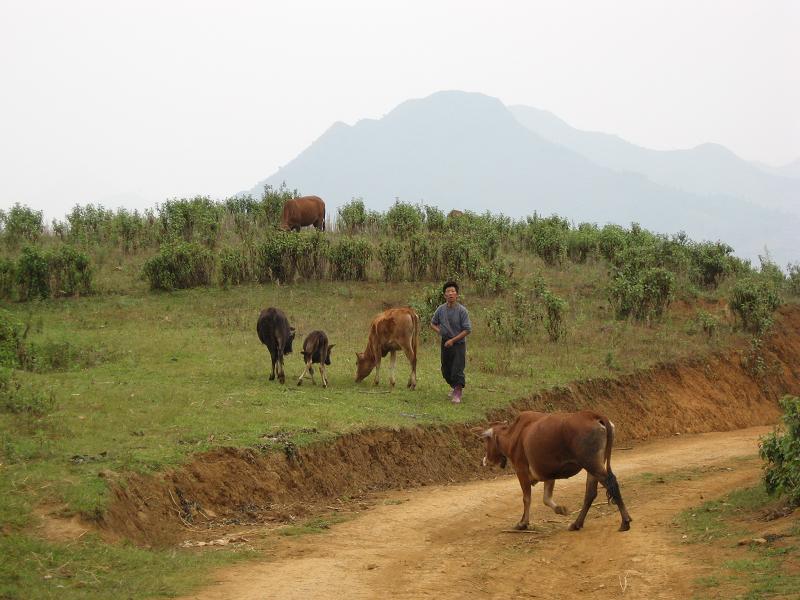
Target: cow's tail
[{"x": 610, "y": 483}]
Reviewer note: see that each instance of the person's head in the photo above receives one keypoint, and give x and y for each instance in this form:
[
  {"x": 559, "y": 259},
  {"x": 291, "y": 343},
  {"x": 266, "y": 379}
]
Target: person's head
[{"x": 450, "y": 290}]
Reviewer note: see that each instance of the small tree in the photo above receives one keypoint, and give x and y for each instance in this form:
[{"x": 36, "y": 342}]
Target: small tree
[{"x": 781, "y": 451}]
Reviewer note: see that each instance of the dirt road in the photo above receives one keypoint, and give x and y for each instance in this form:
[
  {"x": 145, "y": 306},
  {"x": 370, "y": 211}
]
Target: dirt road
[{"x": 454, "y": 541}]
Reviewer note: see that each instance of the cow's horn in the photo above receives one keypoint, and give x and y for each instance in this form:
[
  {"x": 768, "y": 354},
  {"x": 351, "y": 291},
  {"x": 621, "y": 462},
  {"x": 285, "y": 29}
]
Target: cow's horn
[{"x": 488, "y": 433}]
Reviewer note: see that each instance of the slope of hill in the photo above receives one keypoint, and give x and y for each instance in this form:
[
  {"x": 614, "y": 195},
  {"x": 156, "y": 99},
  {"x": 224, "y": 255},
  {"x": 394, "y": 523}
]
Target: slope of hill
[
  {"x": 707, "y": 169},
  {"x": 791, "y": 169},
  {"x": 468, "y": 151}
]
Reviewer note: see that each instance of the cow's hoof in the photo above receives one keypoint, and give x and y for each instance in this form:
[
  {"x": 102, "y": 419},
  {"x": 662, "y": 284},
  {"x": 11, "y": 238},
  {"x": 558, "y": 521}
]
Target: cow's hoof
[
  {"x": 575, "y": 527},
  {"x": 624, "y": 526},
  {"x": 521, "y": 526},
  {"x": 561, "y": 510},
  {"x": 272, "y": 377},
  {"x": 300, "y": 382}
]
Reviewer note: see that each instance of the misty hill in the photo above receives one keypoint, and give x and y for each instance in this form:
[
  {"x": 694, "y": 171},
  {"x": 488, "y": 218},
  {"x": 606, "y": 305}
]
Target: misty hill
[
  {"x": 468, "y": 151},
  {"x": 705, "y": 169},
  {"x": 791, "y": 169}
]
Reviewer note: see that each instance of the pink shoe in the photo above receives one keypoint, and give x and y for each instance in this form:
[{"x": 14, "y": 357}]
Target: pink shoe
[
  {"x": 457, "y": 394},
  {"x": 450, "y": 393}
]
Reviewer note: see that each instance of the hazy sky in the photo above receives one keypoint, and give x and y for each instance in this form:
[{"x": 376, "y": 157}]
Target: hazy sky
[{"x": 131, "y": 103}]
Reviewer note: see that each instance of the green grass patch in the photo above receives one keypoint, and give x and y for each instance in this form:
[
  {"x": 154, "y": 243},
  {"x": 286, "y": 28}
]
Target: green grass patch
[
  {"x": 315, "y": 525},
  {"x": 713, "y": 520}
]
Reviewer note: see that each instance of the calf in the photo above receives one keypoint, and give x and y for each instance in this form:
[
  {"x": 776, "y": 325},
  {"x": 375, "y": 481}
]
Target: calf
[
  {"x": 274, "y": 332},
  {"x": 549, "y": 446},
  {"x": 392, "y": 330},
  {"x": 316, "y": 350}
]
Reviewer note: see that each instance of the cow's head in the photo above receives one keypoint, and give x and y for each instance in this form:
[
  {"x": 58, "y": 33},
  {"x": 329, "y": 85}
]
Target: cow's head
[
  {"x": 364, "y": 366},
  {"x": 493, "y": 455},
  {"x": 328, "y": 356},
  {"x": 287, "y": 347}
]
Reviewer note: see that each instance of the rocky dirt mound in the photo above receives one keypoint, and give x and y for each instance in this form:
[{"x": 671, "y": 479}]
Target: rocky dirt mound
[{"x": 232, "y": 485}]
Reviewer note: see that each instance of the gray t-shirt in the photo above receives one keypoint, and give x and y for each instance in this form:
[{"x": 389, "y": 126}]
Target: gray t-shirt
[{"x": 452, "y": 321}]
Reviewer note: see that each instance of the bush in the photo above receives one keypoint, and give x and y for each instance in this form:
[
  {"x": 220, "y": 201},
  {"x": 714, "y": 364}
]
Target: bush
[
  {"x": 426, "y": 304},
  {"x": 612, "y": 241},
  {"x": 459, "y": 259},
  {"x": 513, "y": 323},
  {"x": 178, "y": 266},
  {"x": 792, "y": 278},
  {"x": 70, "y": 272},
  {"x": 420, "y": 255},
  {"x": 781, "y": 451},
  {"x": 233, "y": 267},
  {"x": 22, "y": 399},
  {"x": 641, "y": 294},
  {"x": 272, "y": 201},
  {"x": 547, "y": 238},
  {"x": 582, "y": 242},
  {"x": 404, "y": 220},
  {"x": 390, "y": 255},
  {"x": 352, "y": 216},
  {"x": 494, "y": 278},
  {"x": 556, "y": 308},
  {"x": 754, "y": 299},
  {"x": 8, "y": 278},
  {"x": 434, "y": 218},
  {"x": 276, "y": 257},
  {"x": 195, "y": 220},
  {"x": 708, "y": 323},
  {"x": 711, "y": 262},
  {"x": 11, "y": 339},
  {"x": 21, "y": 224},
  {"x": 349, "y": 258},
  {"x": 33, "y": 274},
  {"x": 312, "y": 253}
]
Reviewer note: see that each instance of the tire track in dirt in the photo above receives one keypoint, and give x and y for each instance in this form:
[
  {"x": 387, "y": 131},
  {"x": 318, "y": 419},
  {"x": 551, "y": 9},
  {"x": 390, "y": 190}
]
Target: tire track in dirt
[{"x": 452, "y": 542}]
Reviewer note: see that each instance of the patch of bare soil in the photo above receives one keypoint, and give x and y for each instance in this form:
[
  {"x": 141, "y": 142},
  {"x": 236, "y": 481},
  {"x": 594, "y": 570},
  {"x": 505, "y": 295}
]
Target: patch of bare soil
[
  {"x": 454, "y": 541},
  {"x": 230, "y": 486}
]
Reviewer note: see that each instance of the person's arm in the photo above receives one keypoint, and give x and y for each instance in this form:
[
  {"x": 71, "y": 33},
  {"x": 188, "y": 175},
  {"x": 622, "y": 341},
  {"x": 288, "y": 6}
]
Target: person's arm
[{"x": 435, "y": 322}]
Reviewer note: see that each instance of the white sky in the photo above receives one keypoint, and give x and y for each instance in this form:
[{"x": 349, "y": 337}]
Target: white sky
[{"x": 131, "y": 103}]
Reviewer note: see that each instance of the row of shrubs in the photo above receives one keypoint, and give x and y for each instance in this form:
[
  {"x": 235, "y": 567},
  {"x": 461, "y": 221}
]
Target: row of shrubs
[
  {"x": 312, "y": 255},
  {"x": 45, "y": 273}
]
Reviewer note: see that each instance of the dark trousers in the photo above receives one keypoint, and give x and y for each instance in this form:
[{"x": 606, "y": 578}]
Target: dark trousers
[{"x": 454, "y": 359}]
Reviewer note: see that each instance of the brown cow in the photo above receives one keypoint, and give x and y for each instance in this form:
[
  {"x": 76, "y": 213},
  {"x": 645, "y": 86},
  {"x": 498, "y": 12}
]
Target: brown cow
[
  {"x": 392, "y": 330},
  {"x": 549, "y": 446},
  {"x": 307, "y": 210},
  {"x": 316, "y": 349},
  {"x": 455, "y": 213}
]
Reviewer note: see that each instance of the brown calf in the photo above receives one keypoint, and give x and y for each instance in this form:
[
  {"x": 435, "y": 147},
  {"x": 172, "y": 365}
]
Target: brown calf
[
  {"x": 299, "y": 212},
  {"x": 316, "y": 350},
  {"x": 549, "y": 446},
  {"x": 392, "y": 330}
]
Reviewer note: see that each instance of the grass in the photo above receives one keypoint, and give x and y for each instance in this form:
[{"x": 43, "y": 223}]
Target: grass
[
  {"x": 753, "y": 571},
  {"x": 156, "y": 378}
]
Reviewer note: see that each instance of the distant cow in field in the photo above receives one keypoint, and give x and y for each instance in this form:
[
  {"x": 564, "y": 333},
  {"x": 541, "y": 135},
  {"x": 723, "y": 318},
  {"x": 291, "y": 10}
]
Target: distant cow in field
[
  {"x": 549, "y": 446},
  {"x": 299, "y": 212},
  {"x": 316, "y": 350},
  {"x": 455, "y": 213},
  {"x": 274, "y": 332},
  {"x": 392, "y": 330}
]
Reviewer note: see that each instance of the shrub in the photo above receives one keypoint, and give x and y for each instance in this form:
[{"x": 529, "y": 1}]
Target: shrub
[
  {"x": 11, "y": 339},
  {"x": 434, "y": 218},
  {"x": 195, "y": 220},
  {"x": 70, "y": 272},
  {"x": 22, "y": 399},
  {"x": 276, "y": 257},
  {"x": 404, "y": 220},
  {"x": 513, "y": 323},
  {"x": 459, "y": 258},
  {"x": 233, "y": 267},
  {"x": 494, "y": 278},
  {"x": 179, "y": 265},
  {"x": 781, "y": 451},
  {"x": 272, "y": 201},
  {"x": 8, "y": 278},
  {"x": 311, "y": 253},
  {"x": 390, "y": 255},
  {"x": 420, "y": 254},
  {"x": 349, "y": 258},
  {"x": 21, "y": 224},
  {"x": 754, "y": 299},
  {"x": 547, "y": 238},
  {"x": 426, "y": 304},
  {"x": 711, "y": 262},
  {"x": 33, "y": 274},
  {"x": 556, "y": 308},
  {"x": 708, "y": 323},
  {"x": 582, "y": 242},
  {"x": 612, "y": 241},
  {"x": 792, "y": 278},
  {"x": 352, "y": 216},
  {"x": 641, "y": 294}
]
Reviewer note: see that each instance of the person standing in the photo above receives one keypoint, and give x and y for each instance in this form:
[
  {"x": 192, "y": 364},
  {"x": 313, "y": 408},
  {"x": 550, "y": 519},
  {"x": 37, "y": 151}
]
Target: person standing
[{"x": 451, "y": 322}]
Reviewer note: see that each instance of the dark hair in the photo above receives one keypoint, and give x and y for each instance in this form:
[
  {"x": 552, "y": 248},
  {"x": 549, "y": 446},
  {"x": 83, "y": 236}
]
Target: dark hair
[{"x": 450, "y": 284}]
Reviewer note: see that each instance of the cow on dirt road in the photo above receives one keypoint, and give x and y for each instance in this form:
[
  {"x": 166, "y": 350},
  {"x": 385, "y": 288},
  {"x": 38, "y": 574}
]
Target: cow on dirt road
[
  {"x": 274, "y": 332},
  {"x": 299, "y": 212},
  {"x": 316, "y": 349},
  {"x": 549, "y": 446},
  {"x": 392, "y": 330}
]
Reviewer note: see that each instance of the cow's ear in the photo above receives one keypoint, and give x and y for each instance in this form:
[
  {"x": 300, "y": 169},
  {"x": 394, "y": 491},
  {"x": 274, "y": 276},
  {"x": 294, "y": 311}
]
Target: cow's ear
[
  {"x": 331, "y": 347},
  {"x": 292, "y": 329}
]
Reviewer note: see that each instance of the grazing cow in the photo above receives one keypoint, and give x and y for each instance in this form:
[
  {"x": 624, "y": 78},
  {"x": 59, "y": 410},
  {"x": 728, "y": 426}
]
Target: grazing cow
[
  {"x": 308, "y": 210},
  {"x": 316, "y": 350},
  {"x": 549, "y": 446},
  {"x": 392, "y": 330},
  {"x": 274, "y": 332},
  {"x": 455, "y": 213}
]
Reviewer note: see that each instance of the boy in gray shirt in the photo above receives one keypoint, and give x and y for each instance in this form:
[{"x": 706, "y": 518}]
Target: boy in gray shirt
[{"x": 451, "y": 322}]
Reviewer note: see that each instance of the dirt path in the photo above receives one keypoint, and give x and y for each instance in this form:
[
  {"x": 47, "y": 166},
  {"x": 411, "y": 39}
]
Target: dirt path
[{"x": 453, "y": 541}]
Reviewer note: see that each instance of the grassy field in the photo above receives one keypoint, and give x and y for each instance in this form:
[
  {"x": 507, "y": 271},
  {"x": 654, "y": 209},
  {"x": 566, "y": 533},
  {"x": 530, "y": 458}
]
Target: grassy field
[{"x": 146, "y": 380}]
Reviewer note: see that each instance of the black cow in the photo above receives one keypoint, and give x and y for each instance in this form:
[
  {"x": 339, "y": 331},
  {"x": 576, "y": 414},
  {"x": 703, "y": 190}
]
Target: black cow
[
  {"x": 316, "y": 350},
  {"x": 274, "y": 332}
]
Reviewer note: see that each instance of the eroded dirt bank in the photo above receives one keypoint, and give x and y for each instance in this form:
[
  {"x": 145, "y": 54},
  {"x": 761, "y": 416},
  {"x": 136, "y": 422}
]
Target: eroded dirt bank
[{"x": 714, "y": 393}]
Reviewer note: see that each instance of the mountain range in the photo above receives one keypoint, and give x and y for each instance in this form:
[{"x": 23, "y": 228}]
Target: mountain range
[{"x": 469, "y": 151}]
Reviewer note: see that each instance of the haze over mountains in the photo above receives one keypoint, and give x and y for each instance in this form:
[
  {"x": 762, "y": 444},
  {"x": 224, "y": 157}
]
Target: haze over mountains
[{"x": 469, "y": 151}]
